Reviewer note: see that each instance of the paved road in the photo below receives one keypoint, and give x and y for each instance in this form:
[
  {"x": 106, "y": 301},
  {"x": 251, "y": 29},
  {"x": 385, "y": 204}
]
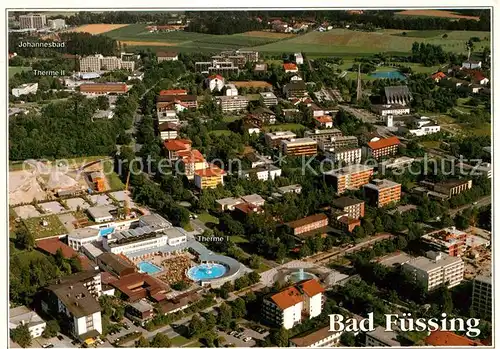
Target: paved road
[
  {"x": 485, "y": 201},
  {"x": 368, "y": 117}
]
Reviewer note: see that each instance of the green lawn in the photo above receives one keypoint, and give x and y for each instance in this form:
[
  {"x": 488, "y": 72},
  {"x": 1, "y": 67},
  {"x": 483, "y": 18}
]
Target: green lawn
[
  {"x": 14, "y": 70},
  {"x": 179, "y": 341},
  {"x": 341, "y": 42},
  {"x": 208, "y": 218},
  {"x": 430, "y": 144},
  {"x": 284, "y": 127},
  {"x": 481, "y": 130},
  {"x": 114, "y": 181},
  {"x": 194, "y": 344},
  {"x": 238, "y": 239},
  {"x": 54, "y": 227},
  {"x": 221, "y": 132},
  {"x": 422, "y": 33}
]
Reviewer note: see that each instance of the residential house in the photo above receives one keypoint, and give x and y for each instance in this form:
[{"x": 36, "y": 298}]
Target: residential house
[
  {"x": 471, "y": 64},
  {"x": 23, "y": 316},
  {"x": 167, "y": 56},
  {"x": 209, "y": 177},
  {"x": 290, "y": 68},
  {"x": 173, "y": 146},
  {"x": 298, "y": 58},
  {"x": 323, "y": 121}
]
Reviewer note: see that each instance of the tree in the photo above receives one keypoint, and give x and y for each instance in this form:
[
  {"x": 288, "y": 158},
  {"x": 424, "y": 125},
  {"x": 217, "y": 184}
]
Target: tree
[
  {"x": 142, "y": 342},
  {"x": 348, "y": 339},
  {"x": 225, "y": 315},
  {"x": 102, "y": 102},
  {"x": 118, "y": 313},
  {"x": 51, "y": 329},
  {"x": 239, "y": 308},
  {"x": 24, "y": 239},
  {"x": 280, "y": 337},
  {"x": 195, "y": 326},
  {"x": 21, "y": 335},
  {"x": 161, "y": 340}
]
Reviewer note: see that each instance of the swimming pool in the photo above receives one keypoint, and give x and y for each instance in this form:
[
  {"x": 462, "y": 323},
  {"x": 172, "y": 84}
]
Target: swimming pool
[
  {"x": 388, "y": 75},
  {"x": 149, "y": 268},
  {"x": 206, "y": 271},
  {"x": 106, "y": 231}
]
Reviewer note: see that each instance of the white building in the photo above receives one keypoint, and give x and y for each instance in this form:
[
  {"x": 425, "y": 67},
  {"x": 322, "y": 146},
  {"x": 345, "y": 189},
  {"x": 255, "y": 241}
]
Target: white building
[
  {"x": 24, "y": 316},
  {"x": 346, "y": 155},
  {"x": 32, "y": 21},
  {"x": 75, "y": 297},
  {"x": 381, "y": 338},
  {"x": 294, "y": 304},
  {"x": 273, "y": 139},
  {"x": 25, "y": 89},
  {"x": 234, "y": 103},
  {"x": 268, "y": 98},
  {"x": 143, "y": 238},
  {"x": 263, "y": 173},
  {"x": 56, "y": 24},
  {"x": 437, "y": 269},
  {"x": 471, "y": 64},
  {"x": 317, "y": 339},
  {"x": 82, "y": 236},
  {"x": 215, "y": 82},
  {"x": 298, "y": 58},
  {"x": 101, "y": 214},
  {"x": 231, "y": 90},
  {"x": 293, "y": 188},
  {"x": 99, "y": 63},
  {"x": 390, "y": 109}
]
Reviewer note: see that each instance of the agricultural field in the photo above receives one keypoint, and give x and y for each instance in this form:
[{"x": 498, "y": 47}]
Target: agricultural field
[
  {"x": 344, "y": 42},
  {"x": 14, "y": 70},
  {"x": 435, "y": 13},
  {"x": 138, "y": 36},
  {"x": 96, "y": 28}
]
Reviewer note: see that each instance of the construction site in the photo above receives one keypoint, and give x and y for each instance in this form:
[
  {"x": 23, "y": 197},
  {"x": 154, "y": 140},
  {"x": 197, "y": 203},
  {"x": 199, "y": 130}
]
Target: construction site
[{"x": 40, "y": 181}]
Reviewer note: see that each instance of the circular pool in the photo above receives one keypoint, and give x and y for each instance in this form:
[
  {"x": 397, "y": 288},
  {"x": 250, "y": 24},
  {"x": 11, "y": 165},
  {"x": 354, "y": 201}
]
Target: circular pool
[
  {"x": 208, "y": 271},
  {"x": 300, "y": 275}
]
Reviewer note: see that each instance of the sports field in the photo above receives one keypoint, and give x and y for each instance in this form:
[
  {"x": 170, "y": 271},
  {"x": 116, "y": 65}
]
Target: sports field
[
  {"x": 97, "y": 28},
  {"x": 435, "y": 13},
  {"x": 344, "y": 42}
]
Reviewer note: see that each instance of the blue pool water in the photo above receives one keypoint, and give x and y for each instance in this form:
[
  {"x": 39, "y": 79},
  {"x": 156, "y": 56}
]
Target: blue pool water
[
  {"x": 388, "y": 75},
  {"x": 106, "y": 231},
  {"x": 149, "y": 268},
  {"x": 206, "y": 272}
]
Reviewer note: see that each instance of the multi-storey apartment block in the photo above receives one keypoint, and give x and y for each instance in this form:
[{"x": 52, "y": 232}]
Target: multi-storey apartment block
[
  {"x": 385, "y": 147},
  {"x": 448, "y": 240},
  {"x": 299, "y": 146},
  {"x": 382, "y": 192},
  {"x": 436, "y": 269},
  {"x": 355, "y": 208},
  {"x": 289, "y": 307},
  {"x": 350, "y": 177},
  {"x": 482, "y": 295},
  {"x": 273, "y": 139}
]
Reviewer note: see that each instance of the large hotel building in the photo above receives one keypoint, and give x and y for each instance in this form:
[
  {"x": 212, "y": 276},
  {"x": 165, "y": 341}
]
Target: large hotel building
[
  {"x": 383, "y": 148},
  {"x": 382, "y": 192},
  {"x": 97, "y": 63},
  {"x": 32, "y": 21},
  {"x": 349, "y": 177},
  {"x": 299, "y": 146}
]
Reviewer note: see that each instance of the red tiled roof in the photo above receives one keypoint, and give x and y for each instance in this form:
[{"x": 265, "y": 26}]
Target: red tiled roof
[
  {"x": 438, "y": 75},
  {"x": 165, "y": 54},
  {"x": 191, "y": 156},
  {"x": 216, "y": 76},
  {"x": 103, "y": 87},
  {"x": 311, "y": 287},
  {"x": 475, "y": 74},
  {"x": 287, "y": 298},
  {"x": 307, "y": 220},
  {"x": 448, "y": 339},
  {"x": 290, "y": 66},
  {"x": 211, "y": 171},
  {"x": 138, "y": 285},
  {"x": 383, "y": 143},
  {"x": 247, "y": 208},
  {"x": 53, "y": 244},
  {"x": 172, "y": 92},
  {"x": 177, "y": 144},
  {"x": 324, "y": 119},
  {"x": 294, "y": 294}
]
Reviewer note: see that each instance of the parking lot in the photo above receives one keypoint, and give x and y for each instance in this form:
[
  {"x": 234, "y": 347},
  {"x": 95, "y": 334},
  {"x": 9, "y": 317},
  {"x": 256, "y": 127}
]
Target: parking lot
[
  {"x": 238, "y": 337},
  {"x": 65, "y": 342}
]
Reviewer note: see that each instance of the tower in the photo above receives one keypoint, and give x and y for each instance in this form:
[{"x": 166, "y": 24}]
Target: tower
[
  {"x": 390, "y": 120},
  {"x": 359, "y": 91}
]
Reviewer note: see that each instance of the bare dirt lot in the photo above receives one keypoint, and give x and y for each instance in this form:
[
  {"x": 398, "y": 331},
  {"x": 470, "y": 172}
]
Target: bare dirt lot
[
  {"x": 97, "y": 28},
  {"x": 436, "y": 13},
  {"x": 260, "y": 84},
  {"x": 147, "y": 43}
]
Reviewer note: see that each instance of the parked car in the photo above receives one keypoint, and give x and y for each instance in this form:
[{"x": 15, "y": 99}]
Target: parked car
[
  {"x": 60, "y": 337},
  {"x": 232, "y": 333},
  {"x": 48, "y": 345},
  {"x": 247, "y": 339},
  {"x": 126, "y": 326}
]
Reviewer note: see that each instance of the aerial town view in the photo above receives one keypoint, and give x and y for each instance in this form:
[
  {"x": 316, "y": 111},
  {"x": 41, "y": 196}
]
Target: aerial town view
[{"x": 276, "y": 178}]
